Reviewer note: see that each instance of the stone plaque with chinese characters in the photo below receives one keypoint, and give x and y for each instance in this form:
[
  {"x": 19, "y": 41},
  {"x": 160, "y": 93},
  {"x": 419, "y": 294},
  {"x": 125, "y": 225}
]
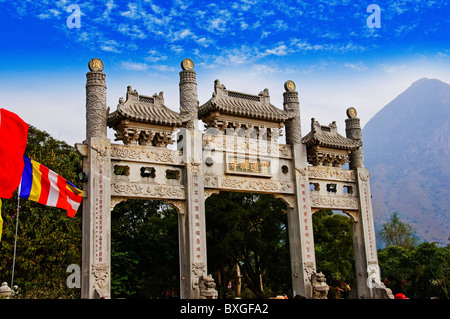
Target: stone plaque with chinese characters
[{"x": 248, "y": 165}]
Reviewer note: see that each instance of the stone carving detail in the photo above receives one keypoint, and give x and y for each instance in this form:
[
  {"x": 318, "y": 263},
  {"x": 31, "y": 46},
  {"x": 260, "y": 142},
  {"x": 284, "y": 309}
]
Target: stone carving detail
[
  {"x": 287, "y": 199},
  {"x": 353, "y": 131},
  {"x": 285, "y": 151},
  {"x": 209, "y": 192},
  {"x": 233, "y": 183},
  {"x": 180, "y": 205},
  {"x": 127, "y": 153},
  {"x": 232, "y": 144},
  {"x": 166, "y": 156},
  {"x": 96, "y": 110},
  {"x": 334, "y": 202},
  {"x": 101, "y": 275},
  {"x": 188, "y": 98},
  {"x": 203, "y": 285},
  {"x": 265, "y": 186},
  {"x": 101, "y": 148},
  {"x": 331, "y": 173},
  {"x": 206, "y": 286},
  {"x": 140, "y": 190},
  {"x": 293, "y": 126},
  {"x": 141, "y": 153},
  {"x": 117, "y": 200},
  {"x": 302, "y": 171},
  {"x": 354, "y": 215},
  {"x": 310, "y": 268},
  {"x": 211, "y": 181},
  {"x": 319, "y": 286},
  {"x": 364, "y": 177}
]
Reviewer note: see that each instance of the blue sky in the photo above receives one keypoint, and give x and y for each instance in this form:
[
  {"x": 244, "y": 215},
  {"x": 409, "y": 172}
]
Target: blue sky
[{"x": 325, "y": 47}]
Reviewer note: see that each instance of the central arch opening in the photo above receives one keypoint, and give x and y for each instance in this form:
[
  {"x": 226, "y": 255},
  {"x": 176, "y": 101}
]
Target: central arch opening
[{"x": 247, "y": 245}]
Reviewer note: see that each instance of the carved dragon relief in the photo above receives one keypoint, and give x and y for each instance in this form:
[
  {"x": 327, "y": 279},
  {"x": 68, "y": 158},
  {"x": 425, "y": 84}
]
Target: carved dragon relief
[
  {"x": 331, "y": 173},
  {"x": 255, "y": 185},
  {"x": 145, "y": 190},
  {"x": 146, "y": 154},
  {"x": 332, "y": 202}
]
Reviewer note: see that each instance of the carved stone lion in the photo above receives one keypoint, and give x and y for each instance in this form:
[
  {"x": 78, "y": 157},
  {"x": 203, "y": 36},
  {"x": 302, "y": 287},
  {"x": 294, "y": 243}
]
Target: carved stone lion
[
  {"x": 319, "y": 286},
  {"x": 207, "y": 287}
]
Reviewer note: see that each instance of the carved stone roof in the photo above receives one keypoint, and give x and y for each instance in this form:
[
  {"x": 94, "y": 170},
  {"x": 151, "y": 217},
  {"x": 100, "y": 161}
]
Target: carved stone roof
[
  {"x": 327, "y": 136},
  {"x": 145, "y": 109},
  {"x": 243, "y": 105}
]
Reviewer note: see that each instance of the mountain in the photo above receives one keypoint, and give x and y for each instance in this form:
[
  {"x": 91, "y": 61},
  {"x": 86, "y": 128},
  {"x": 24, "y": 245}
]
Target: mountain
[{"x": 407, "y": 151}]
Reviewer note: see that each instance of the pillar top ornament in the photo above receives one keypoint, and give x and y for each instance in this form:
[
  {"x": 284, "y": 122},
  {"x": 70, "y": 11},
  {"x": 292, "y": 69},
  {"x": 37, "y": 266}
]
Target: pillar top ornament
[
  {"x": 351, "y": 113},
  {"x": 289, "y": 86},
  {"x": 96, "y": 65},
  {"x": 187, "y": 64}
]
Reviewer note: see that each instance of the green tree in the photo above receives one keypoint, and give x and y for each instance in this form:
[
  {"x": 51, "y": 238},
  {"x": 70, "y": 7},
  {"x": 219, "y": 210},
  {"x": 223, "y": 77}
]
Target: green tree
[
  {"x": 47, "y": 240},
  {"x": 421, "y": 271},
  {"x": 431, "y": 276},
  {"x": 397, "y": 233},
  {"x": 395, "y": 265}
]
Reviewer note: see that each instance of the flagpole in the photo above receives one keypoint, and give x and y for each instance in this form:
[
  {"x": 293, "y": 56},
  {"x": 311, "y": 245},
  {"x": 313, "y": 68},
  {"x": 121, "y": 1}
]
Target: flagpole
[{"x": 15, "y": 241}]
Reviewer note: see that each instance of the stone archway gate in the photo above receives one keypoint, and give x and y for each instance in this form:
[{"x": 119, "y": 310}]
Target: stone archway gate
[{"x": 238, "y": 152}]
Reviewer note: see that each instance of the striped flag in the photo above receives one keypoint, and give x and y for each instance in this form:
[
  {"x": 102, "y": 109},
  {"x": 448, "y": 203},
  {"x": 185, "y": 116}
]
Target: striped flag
[{"x": 44, "y": 186}]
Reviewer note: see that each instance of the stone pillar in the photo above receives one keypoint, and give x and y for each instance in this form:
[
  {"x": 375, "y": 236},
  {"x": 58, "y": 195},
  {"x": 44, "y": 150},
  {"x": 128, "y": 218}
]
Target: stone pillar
[
  {"x": 96, "y": 100},
  {"x": 96, "y": 225},
  {"x": 364, "y": 244},
  {"x": 192, "y": 225},
  {"x": 291, "y": 104},
  {"x": 353, "y": 131},
  {"x": 301, "y": 239},
  {"x": 188, "y": 95}
]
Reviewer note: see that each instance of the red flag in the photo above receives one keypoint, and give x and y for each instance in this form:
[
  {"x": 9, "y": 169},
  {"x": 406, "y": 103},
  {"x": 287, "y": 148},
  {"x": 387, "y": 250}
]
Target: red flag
[{"x": 13, "y": 141}]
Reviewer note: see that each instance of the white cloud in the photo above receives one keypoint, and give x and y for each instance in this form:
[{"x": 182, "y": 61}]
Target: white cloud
[
  {"x": 392, "y": 68},
  {"x": 133, "y": 66},
  {"x": 164, "y": 68},
  {"x": 218, "y": 24},
  {"x": 110, "y": 46},
  {"x": 52, "y": 13},
  {"x": 109, "y": 7},
  {"x": 155, "y": 56},
  {"x": 305, "y": 45},
  {"x": 133, "y": 31},
  {"x": 133, "y": 12},
  {"x": 204, "y": 42},
  {"x": 237, "y": 56},
  {"x": 280, "y": 25},
  {"x": 182, "y": 34},
  {"x": 279, "y": 50},
  {"x": 358, "y": 66},
  {"x": 176, "y": 48}
]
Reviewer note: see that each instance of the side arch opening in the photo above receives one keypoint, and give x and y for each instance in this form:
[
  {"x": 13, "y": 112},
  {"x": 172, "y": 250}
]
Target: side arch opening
[{"x": 144, "y": 250}]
